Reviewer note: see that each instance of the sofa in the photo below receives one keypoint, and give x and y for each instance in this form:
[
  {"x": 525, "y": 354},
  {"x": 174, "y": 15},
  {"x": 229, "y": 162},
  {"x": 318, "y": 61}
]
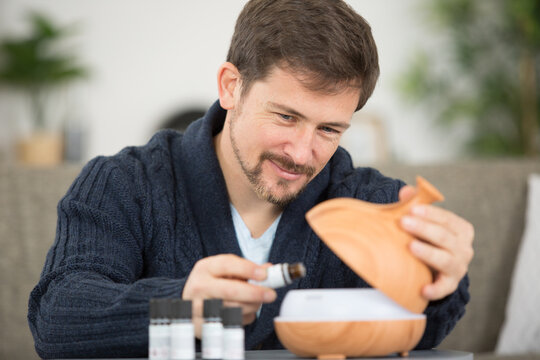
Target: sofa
[{"x": 491, "y": 194}]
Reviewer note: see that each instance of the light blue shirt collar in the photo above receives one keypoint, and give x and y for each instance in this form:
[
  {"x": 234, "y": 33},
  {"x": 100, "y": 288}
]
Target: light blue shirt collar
[{"x": 256, "y": 250}]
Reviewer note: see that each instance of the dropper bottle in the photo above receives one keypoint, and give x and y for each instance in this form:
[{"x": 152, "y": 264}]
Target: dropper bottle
[
  {"x": 158, "y": 329},
  {"x": 280, "y": 275},
  {"x": 182, "y": 330},
  {"x": 233, "y": 333},
  {"x": 212, "y": 329}
]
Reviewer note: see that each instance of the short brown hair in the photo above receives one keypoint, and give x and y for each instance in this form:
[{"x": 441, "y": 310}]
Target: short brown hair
[{"x": 324, "y": 41}]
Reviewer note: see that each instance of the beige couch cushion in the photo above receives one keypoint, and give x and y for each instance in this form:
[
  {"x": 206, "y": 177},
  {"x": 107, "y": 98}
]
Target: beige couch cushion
[
  {"x": 492, "y": 196},
  {"x": 28, "y": 199}
]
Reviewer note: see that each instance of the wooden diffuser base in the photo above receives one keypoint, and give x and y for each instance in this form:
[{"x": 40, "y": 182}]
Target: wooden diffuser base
[{"x": 340, "y": 339}]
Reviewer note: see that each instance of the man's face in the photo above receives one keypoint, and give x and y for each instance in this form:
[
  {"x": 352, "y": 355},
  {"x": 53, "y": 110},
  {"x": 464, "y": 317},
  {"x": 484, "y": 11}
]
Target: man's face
[{"x": 283, "y": 135}]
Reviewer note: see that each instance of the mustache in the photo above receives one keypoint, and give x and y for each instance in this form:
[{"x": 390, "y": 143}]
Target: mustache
[{"x": 288, "y": 164}]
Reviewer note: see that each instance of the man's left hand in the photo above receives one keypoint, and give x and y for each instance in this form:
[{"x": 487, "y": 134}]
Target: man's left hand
[{"x": 443, "y": 241}]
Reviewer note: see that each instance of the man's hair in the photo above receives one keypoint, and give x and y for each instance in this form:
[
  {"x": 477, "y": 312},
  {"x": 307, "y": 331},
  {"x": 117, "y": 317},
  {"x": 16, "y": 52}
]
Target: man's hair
[{"x": 323, "y": 42}]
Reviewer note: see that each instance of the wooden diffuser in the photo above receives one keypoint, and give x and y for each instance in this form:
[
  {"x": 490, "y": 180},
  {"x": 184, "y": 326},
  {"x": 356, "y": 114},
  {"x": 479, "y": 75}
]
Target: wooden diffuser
[{"x": 369, "y": 239}]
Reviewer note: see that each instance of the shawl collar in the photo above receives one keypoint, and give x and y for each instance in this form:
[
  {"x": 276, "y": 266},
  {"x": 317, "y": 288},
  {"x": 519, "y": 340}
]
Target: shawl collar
[{"x": 207, "y": 192}]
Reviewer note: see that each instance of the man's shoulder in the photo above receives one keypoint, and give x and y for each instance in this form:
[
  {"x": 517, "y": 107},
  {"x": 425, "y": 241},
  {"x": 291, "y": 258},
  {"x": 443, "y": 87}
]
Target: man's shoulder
[
  {"x": 364, "y": 183},
  {"x": 161, "y": 146},
  {"x": 138, "y": 162}
]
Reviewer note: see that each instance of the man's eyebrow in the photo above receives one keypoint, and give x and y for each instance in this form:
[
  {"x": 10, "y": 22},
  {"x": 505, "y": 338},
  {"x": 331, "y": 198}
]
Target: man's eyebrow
[
  {"x": 291, "y": 111},
  {"x": 285, "y": 109}
]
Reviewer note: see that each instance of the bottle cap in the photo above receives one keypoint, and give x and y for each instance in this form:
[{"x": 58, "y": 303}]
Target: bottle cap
[
  {"x": 297, "y": 270},
  {"x": 159, "y": 308},
  {"x": 180, "y": 309},
  {"x": 231, "y": 316},
  {"x": 212, "y": 308}
]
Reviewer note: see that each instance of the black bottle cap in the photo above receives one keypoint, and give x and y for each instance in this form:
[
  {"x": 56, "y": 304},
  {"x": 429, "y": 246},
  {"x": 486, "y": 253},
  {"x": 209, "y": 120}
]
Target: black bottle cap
[
  {"x": 180, "y": 309},
  {"x": 160, "y": 308},
  {"x": 231, "y": 316},
  {"x": 212, "y": 308}
]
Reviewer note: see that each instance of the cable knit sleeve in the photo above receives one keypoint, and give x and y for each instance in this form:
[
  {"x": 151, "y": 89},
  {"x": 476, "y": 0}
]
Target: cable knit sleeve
[
  {"x": 442, "y": 315},
  {"x": 92, "y": 298}
]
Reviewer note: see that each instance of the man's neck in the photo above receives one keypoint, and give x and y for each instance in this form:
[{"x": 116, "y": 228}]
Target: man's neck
[{"x": 256, "y": 213}]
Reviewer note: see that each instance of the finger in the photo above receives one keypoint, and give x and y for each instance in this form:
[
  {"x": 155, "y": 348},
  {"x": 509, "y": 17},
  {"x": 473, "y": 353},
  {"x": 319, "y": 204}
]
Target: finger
[
  {"x": 447, "y": 219},
  {"x": 197, "y": 307},
  {"x": 197, "y": 323},
  {"x": 247, "y": 308},
  {"x": 442, "y": 286},
  {"x": 240, "y": 291},
  {"x": 436, "y": 258},
  {"x": 433, "y": 233},
  {"x": 248, "y": 319},
  {"x": 406, "y": 192},
  {"x": 230, "y": 265}
]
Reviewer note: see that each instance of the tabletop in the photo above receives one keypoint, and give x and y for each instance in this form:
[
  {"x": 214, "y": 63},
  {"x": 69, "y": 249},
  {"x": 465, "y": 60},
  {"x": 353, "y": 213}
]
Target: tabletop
[{"x": 413, "y": 355}]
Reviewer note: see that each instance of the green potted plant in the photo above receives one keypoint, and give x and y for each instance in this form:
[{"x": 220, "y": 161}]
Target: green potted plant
[
  {"x": 36, "y": 66},
  {"x": 490, "y": 77}
]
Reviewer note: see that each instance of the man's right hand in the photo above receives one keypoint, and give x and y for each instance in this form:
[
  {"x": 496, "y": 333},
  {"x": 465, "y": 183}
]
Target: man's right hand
[{"x": 225, "y": 277}]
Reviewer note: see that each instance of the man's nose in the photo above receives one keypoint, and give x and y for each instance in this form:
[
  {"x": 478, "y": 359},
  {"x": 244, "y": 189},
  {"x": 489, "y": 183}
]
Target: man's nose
[{"x": 300, "y": 148}]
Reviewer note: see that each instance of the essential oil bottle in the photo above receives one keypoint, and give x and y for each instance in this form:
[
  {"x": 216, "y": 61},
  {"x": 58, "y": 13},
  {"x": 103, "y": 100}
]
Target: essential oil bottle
[
  {"x": 212, "y": 329},
  {"x": 182, "y": 330},
  {"x": 280, "y": 275},
  {"x": 233, "y": 333},
  {"x": 158, "y": 330}
]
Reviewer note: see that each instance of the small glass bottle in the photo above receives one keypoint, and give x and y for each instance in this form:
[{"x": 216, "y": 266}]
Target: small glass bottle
[
  {"x": 158, "y": 330},
  {"x": 280, "y": 275},
  {"x": 233, "y": 333},
  {"x": 212, "y": 329},
  {"x": 182, "y": 330}
]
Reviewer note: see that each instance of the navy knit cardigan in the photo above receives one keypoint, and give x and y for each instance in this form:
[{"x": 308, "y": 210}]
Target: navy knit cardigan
[{"x": 132, "y": 226}]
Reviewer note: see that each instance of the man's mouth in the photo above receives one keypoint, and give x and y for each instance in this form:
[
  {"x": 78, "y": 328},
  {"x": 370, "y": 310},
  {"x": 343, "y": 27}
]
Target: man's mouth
[
  {"x": 286, "y": 168},
  {"x": 284, "y": 173}
]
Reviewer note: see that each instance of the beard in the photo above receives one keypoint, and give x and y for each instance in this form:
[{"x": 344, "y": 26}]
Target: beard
[{"x": 254, "y": 174}]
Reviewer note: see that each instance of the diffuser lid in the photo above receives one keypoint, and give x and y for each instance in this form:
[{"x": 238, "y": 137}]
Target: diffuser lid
[{"x": 369, "y": 239}]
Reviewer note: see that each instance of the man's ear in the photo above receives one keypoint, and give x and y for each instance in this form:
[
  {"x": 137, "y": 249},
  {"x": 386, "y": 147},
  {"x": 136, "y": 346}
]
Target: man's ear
[{"x": 228, "y": 78}]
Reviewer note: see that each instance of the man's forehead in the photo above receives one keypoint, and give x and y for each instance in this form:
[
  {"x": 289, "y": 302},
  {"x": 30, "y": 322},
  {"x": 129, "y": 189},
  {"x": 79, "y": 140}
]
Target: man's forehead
[{"x": 284, "y": 90}]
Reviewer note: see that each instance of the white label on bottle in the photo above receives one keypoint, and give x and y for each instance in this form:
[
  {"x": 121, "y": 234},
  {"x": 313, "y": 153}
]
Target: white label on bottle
[
  {"x": 158, "y": 342},
  {"x": 233, "y": 343},
  {"x": 182, "y": 341},
  {"x": 274, "y": 277},
  {"x": 212, "y": 340}
]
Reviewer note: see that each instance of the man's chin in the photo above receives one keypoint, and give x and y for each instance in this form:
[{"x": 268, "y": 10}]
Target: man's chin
[
  {"x": 282, "y": 201},
  {"x": 281, "y": 198}
]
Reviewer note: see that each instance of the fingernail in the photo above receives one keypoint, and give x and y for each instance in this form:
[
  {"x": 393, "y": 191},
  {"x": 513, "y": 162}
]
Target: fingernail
[
  {"x": 418, "y": 210},
  {"x": 260, "y": 274},
  {"x": 269, "y": 296},
  {"x": 427, "y": 292},
  {"x": 415, "y": 246},
  {"x": 408, "y": 222}
]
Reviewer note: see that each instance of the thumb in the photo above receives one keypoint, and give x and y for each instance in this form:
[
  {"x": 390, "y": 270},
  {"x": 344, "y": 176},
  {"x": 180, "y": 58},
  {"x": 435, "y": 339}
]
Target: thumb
[{"x": 406, "y": 192}]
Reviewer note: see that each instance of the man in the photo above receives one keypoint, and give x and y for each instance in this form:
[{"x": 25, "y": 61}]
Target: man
[{"x": 200, "y": 214}]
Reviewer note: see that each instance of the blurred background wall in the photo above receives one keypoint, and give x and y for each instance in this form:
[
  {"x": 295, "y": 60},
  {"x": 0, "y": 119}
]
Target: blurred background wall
[{"x": 148, "y": 60}]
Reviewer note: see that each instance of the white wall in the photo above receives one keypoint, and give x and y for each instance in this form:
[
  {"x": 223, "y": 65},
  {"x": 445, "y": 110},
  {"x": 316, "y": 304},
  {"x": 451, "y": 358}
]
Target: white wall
[{"x": 150, "y": 58}]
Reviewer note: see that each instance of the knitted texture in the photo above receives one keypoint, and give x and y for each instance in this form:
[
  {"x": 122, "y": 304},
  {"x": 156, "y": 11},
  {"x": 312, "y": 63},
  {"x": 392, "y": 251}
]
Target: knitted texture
[{"x": 132, "y": 226}]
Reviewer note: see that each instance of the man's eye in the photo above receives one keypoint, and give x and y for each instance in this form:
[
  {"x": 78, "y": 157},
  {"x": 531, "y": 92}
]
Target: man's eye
[
  {"x": 329, "y": 130},
  {"x": 286, "y": 117}
]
